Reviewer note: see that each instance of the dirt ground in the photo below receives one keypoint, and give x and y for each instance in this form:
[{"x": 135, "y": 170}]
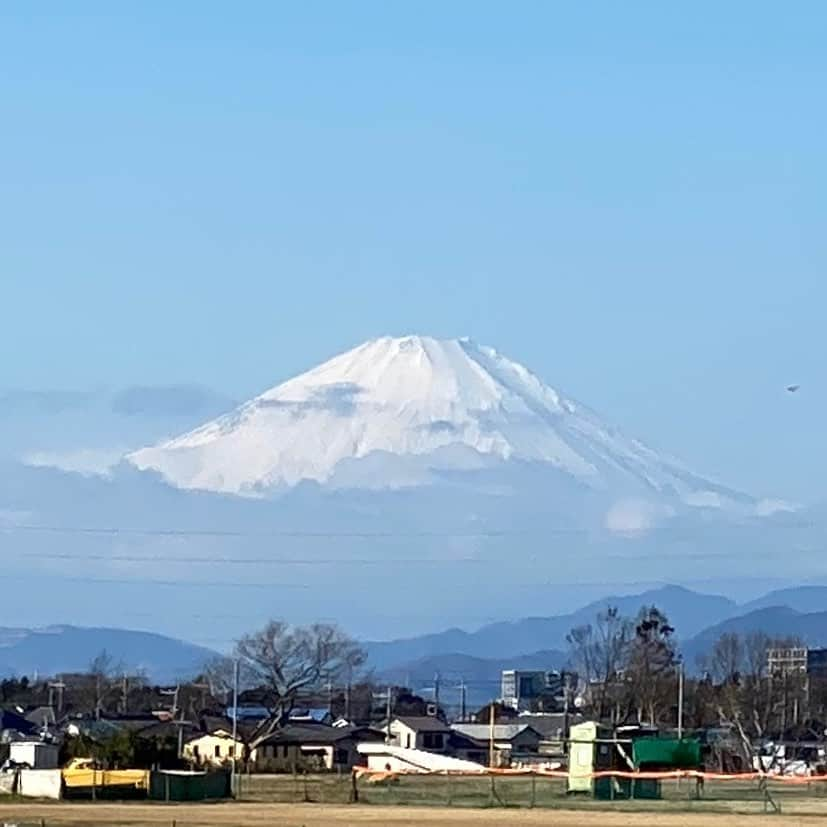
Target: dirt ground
[{"x": 320, "y": 815}]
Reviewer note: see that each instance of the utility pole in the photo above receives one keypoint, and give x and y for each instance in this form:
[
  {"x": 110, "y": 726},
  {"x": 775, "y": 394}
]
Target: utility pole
[
  {"x": 680, "y": 698},
  {"x": 178, "y": 722},
  {"x": 387, "y": 697},
  {"x": 235, "y": 724},
  {"x": 462, "y": 700},
  {"x": 436, "y": 690},
  {"x": 172, "y": 693},
  {"x": 491, "y": 721},
  {"x": 124, "y": 694},
  {"x": 58, "y": 685},
  {"x": 347, "y": 701}
]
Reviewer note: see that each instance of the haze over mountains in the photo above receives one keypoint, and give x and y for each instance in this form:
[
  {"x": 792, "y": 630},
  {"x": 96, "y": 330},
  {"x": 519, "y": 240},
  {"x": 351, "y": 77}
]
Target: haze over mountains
[
  {"x": 404, "y": 486},
  {"x": 60, "y": 649},
  {"x": 474, "y": 657},
  {"x": 477, "y": 658}
]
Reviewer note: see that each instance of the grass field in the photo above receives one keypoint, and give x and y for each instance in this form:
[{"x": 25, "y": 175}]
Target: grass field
[
  {"x": 419, "y": 801},
  {"x": 310, "y": 815},
  {"x": 522, "y": 792}
]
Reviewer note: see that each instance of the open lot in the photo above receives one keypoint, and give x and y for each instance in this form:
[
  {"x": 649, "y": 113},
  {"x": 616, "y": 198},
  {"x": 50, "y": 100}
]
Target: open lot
[{"x": 317, "y": 815}]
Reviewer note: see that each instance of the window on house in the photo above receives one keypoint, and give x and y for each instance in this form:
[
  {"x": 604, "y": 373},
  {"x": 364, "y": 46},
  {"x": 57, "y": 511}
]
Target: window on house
[
  {"x": 195, "y": 750},
  {"x": 432, "y": 740},
  {"x": 408, "y": 740},
  {"x": 231, "y": 752},
  {"x": 218, "y": 750}
]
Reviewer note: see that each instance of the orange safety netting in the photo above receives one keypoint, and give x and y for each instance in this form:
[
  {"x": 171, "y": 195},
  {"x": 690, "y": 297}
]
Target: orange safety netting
[{"x": 378, "y": 775}]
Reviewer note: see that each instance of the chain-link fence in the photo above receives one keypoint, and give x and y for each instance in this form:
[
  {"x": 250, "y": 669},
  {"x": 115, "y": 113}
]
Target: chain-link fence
[
  {"x": 647, "y": 792},
  {"x": 643, "y": 791}
]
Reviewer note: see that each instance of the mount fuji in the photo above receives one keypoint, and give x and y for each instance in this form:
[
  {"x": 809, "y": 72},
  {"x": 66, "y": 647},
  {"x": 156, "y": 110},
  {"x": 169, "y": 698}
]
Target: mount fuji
[
  {"x": 404, "y": 486},
  {"x": 405, "y": 412}
]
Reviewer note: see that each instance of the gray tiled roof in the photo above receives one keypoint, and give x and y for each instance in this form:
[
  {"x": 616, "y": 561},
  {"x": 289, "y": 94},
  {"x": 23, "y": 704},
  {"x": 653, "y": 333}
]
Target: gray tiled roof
[
  {"x": 502, "y": 732},
  {"x": 422, "y": 723}
]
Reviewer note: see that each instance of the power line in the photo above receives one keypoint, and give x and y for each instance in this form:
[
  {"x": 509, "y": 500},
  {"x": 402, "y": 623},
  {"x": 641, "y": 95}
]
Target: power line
[
  {"x": 275, "y": 560},
  {"x": 287, "y": 533},
  {"x": 127, "y": 531},
  {"x": 242, "y": 561},
  {"x": 133, "y": 582}
]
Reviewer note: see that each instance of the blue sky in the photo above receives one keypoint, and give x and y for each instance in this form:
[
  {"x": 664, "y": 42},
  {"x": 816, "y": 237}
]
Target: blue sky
[{"x": 627, "y": 197}]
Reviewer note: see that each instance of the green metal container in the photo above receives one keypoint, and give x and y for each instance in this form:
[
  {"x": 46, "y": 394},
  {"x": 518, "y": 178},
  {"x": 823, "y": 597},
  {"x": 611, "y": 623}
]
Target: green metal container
[
  {"x": 666, "y": 753},
  {"x": 612, "y": 789},
  {"x": 185, "y": 786},
  {"x": 647, "y": 788}
]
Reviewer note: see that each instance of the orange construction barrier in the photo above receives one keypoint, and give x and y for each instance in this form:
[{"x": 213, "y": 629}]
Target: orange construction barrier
[{"x": 359, "y": 772}]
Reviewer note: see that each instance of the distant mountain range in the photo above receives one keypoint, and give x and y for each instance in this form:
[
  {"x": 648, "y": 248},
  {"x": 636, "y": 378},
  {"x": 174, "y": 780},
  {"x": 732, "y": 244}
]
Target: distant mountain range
[
  {"x": 539, "y": 643},
  {"x": 59, "y": 649},
  {"x": 690, "y": 612},
  {"x": 776, "y": 621},
  {"x": 475, "y": 658}
]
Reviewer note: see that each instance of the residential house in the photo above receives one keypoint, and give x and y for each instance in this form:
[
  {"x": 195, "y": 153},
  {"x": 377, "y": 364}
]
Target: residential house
[
  {"x": 468, "y": 749},
  {"x": 216, "y": 748},
  {"x": 313, "y": 746},
  {"x": 157, "y": 740},
  {"x": 312, "y": 715},
  {"x": 510, "y": 741},
  {"x": 424, "y": 732},
  {"x": 43, "y": 717},
  {"x": 554, "y": 730},
  {"x": 552, "y": 726}
]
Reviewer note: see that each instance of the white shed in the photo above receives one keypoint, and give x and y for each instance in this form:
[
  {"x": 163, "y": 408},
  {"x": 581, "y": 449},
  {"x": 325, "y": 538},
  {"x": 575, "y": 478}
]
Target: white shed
[{"x": 36, "y": 754}]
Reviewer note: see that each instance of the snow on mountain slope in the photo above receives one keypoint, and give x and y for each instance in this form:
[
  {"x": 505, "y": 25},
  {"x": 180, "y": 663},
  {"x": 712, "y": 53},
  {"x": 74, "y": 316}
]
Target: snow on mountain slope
[{"x": 402, "y": 408}]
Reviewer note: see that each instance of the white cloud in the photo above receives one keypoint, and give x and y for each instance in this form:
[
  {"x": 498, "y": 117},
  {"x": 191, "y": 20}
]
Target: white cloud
[
  {"x": 766, "y": 508},
  {"x": 632, "y": 517},
  {"x": 89, "y": 461},
  {"x": 704, "y": 499}
]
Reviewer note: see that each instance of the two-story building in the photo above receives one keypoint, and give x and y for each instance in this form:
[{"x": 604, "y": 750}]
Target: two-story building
[{"x": 423, "y": 732}]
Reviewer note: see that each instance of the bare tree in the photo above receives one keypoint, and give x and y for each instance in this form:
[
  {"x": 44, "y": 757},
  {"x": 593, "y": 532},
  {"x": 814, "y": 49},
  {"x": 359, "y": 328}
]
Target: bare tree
[
  {"x": 726, "y": 662},
  {"x": 102, "y": 672},
  {"x": 218, "y": 675},
  {"x": 598, "y": 653},
  {"x": 756, "y": 703},
  {"x": 286, "y": 661}
]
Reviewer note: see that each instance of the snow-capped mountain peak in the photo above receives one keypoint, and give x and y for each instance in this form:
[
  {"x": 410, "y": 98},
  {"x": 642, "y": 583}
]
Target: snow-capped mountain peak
[{"x": 395, "y": 411}]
